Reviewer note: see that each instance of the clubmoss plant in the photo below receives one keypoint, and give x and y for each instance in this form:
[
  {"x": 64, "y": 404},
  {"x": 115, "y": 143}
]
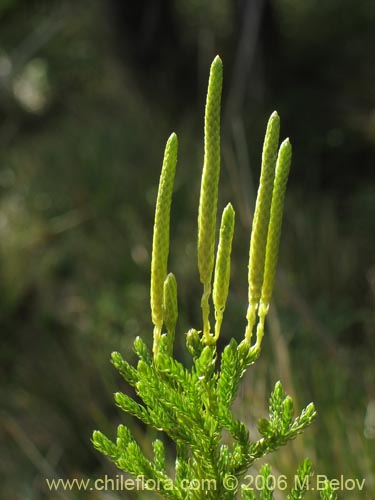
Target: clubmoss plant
[{"x": 213, "y": 450}]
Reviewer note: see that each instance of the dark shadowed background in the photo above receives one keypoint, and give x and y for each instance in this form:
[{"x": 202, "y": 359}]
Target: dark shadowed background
[{"x": 89, "y": 93}]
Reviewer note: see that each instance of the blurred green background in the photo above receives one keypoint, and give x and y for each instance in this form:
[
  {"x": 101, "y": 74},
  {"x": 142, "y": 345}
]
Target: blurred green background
[{"x": 89, "y": 93}]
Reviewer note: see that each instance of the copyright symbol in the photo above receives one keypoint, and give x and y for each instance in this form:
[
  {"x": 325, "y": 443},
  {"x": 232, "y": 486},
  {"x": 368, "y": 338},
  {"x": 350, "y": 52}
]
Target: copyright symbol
[{"x": 230, "y": 482}]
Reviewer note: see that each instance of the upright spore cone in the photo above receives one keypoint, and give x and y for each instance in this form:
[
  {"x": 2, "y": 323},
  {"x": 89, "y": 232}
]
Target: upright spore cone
[
  {"x": 274, "y": 231},
  {"x": 170, "y": 311},
  {"x": 210, "y": 175},
  {"x": 160, "y": 244},
  {"x": 262, "y": 209},
  {"x": 261, "y": 218},
  {"x": 222, "y": 266},
  {"x": 209, "y": 189}
]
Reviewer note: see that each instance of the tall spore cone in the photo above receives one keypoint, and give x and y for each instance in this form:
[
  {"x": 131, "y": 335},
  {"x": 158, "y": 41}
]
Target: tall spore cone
[
  {"x": 222, "y": 266},
  {"x": 160, "y": 244},
  {"x": 209, "y": 186},
  {"x": 274, "y": 230},
  {"x": 170, "y": 309},
  {"x": 261, "y": 218}
]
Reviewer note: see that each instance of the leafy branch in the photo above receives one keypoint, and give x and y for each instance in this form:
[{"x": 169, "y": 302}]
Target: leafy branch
[{"x": 193, "y": 406}]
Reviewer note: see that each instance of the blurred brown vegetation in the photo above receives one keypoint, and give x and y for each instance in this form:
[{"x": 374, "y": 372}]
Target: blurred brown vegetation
[{"x": 89, "y": 92}]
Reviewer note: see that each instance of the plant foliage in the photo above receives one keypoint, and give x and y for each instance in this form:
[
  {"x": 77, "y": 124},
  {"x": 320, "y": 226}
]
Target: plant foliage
[{"x": 193, "y": 406}]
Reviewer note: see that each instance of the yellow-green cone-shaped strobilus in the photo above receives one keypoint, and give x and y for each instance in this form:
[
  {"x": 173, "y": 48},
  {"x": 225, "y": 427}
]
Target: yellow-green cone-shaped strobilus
[
  {"x": 170, "y": 309},
  {"x": 209, "y": 188},
  {"x": 160, "y": 244},
  {"x": 261, "y": 219},
  {"x": 222, "y": 266},
  {"x": 274, "y": 230}
]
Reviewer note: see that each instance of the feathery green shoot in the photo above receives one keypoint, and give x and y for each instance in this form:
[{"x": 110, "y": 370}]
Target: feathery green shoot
[{"x": 193, "y": 406}]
